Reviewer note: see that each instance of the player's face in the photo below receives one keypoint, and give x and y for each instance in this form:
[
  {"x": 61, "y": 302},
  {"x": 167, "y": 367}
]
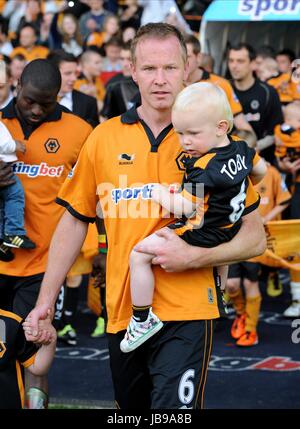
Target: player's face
[
  {"x": 68, "y": 73},
  {"x": 193, "y": 59},
  {"x": 34, "y": 105},
  {"x": 239, "y": 64},
  {"x": 159, "y": 71},
  {"x": 197, "y": 136}
]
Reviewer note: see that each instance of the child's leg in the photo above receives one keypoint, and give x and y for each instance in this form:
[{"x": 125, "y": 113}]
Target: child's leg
[
  {"x": 14, "y": 209},
  {"x": 141, "y": 275}
]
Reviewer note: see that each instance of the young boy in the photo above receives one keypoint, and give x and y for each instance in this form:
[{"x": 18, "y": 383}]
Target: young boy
[
  {"x": 12, "y": 232},
  {"x": 16, "y": 351},
  {"x": 202, "y": 118}
]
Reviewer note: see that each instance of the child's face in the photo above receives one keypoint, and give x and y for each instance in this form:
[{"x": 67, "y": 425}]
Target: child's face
[
  {"x": 293, "y": 119},
  {"x": 197, "y": 134}
]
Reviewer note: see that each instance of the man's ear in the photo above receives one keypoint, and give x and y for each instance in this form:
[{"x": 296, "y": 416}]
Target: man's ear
[{"x": 133, "y": 71}]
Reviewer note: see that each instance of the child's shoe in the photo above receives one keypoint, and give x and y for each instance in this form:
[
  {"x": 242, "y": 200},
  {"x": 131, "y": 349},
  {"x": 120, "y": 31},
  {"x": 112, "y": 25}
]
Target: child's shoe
[
  {"x": 6, "y": 255},
  {"x": 139, "y": 332},
  {"x": 238, "y": 326},
  {"x": 99, "y": 331},
  {"x": 249, "y": 339},
  {"x": 68, "y": 335},
  {"x": 18, "y": 241}
]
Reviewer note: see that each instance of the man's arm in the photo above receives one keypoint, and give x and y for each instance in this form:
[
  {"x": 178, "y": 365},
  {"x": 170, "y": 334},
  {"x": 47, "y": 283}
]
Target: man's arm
[
  {"x": 177, "y": 255},
  {"x": 64, "y": 248}
]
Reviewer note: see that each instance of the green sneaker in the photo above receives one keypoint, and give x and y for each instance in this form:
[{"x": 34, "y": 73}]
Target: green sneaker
[
  {"x": 68, "y": 335},
  {"x": 100, "y": 328}
]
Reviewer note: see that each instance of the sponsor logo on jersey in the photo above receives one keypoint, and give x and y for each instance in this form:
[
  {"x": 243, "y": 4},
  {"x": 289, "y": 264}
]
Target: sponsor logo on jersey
[
  {"x": 42, "y": 169},
  {"x": 257, "y": 9},
  {"x": 125, "y": 158},
  {"x": 143, "y": 192},
  {"x": 52, "y": 145},
  {"x": 254, "y": 104}
]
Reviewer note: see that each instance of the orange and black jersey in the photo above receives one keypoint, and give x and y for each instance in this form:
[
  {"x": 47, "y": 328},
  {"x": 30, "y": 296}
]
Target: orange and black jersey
[
  {"x": 223, "y": 172},
  {"x": 288, "y": 144},
  {"x": 14, "y": 352},
  {"x": 287, "y": 90}
]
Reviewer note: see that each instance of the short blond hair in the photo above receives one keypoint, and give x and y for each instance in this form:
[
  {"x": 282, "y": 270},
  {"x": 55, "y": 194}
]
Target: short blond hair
[{"x": 203, "y": 94}]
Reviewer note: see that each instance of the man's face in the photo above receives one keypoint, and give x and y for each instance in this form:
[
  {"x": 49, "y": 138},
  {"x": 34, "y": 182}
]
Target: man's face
[
  {"x": 68, "y": 73},
  {"x": 94, "y": 64},
  {"x": 239, "y": 64},
  {"x": 16, "y": 68},
  {"x": 125, "y": 62},
  {"x": 27, "y": 37},
  {"x": 95, "y": 4},
  {"x": 193, "y": 59},
  {"x": 34, "y": 105},
  {"x": 159, "y": 70},
  {"x": 284, "y": 63},
  {"x": 113, "y": 53}
]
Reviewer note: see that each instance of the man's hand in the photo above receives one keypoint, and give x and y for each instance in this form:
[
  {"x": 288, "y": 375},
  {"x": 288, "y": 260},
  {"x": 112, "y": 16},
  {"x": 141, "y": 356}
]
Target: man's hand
[
  {"x": 20, "y": 147},
  {"x": 32, "y": 327},
  {"x": 6, "y": 174},
  {"x": 173, "y": 256},
  {"x": 295, "y": 166}
]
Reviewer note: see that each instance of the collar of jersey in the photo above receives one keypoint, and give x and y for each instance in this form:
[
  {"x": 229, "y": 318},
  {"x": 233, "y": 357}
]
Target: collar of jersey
[
  {"x": 130, "y": 117},
  {"x": 9, "y": 112}
]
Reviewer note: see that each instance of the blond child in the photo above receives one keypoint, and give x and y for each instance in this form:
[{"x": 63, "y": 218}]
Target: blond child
[{"x": 202, "y": 119}]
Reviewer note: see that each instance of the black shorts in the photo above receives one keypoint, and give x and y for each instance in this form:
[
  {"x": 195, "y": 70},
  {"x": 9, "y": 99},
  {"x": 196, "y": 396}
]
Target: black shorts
[
  {"x": 19, "y": 294},
  {"x": 244, "y": 270},
  {"x": 167, "y": 371},
  {"x": 205, "y": 237}
]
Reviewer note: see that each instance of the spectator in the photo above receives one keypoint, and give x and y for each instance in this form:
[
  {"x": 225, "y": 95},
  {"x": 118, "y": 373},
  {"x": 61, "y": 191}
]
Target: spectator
[
  {"x": 128, "y": 34},
  {"x": 14, "y": 11},
  {"x": 156, "y": 11},
  {"x": 93, "y": 20},
  {"x": 33, "y": 16},
  {"x": 284, "y": 60},
  {"x": 111, "y": 62},
  {"x": 6, "y": 94},
  {"x": 16, "y": 68},
  {"x": 262, "y": 53},
  {"x": 65, "y": 34},
  {"x": 80, "y": 104},
  {"x": 5, "y": 45},
  {"x": 110, "y": 27},
  {"x": 28, "y": 47},
  {"x": 89, "y": 81},
  {"x": 268, "y": 69},
  {"x": 261, "y": 104},
  {"x": 121, "y": 89},
  {"x": 130, "y": 14}
]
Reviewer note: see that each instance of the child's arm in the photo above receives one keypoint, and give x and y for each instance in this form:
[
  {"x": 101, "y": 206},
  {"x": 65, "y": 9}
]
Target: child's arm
[
  {"x": 46, "y": 352},
  {"x": 173, "y": 202},
  {"x": 258, "y": 171}
]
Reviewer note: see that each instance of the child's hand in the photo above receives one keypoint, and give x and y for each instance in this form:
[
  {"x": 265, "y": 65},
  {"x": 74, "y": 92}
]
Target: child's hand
[
  {"x": 47, "y": 332},
  {"x": 20, "y": 147}
]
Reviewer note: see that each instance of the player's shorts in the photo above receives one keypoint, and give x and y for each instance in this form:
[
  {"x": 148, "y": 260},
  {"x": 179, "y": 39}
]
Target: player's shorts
[
  {"x": 244, "y": 270},
  {"x": 19, "y": 294},
  {"x": 167, "y": 371},
  {"x": 205, "y": 237},
  {"x": 295, "y": 203}
]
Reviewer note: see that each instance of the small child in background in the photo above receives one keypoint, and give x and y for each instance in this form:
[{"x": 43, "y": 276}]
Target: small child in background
[
  {"x": 287, "y": 136},
  {"x": 12, "y": 202},
  {"x": 15, "y": 351},
  {"x": 203, "y": 119}
]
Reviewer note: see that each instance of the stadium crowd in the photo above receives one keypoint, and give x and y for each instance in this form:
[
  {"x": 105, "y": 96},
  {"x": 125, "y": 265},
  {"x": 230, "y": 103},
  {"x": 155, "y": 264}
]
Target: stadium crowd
[{"x": 89, "y": 42}]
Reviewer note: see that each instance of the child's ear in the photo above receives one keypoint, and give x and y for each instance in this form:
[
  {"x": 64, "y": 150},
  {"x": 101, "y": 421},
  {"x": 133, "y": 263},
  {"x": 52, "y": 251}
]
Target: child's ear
[{"x": 222, "y": 128}]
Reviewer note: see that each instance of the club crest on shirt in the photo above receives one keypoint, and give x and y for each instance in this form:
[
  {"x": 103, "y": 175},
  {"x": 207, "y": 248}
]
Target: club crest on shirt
[
  {"x": 2, "y": 349},
  {"x": 181, "y": 159},
  {"x": 52, "y": 145}
]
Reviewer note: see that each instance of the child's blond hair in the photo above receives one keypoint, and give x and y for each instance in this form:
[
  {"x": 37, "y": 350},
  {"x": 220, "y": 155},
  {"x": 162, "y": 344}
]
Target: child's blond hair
[{"x": 205, "y": 95}]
